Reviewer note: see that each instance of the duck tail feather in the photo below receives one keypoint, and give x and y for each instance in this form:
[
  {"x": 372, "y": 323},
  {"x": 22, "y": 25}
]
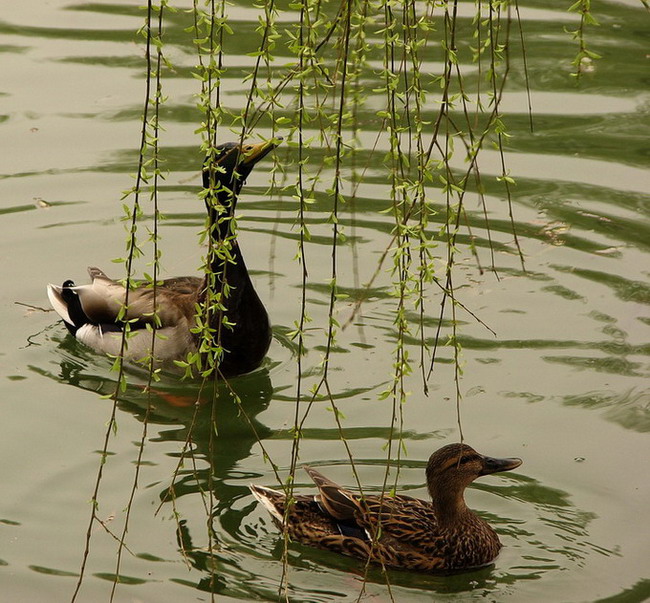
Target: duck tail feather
[
  {"x": 66, "y": 303},
  {"x": 335, "y": 500},
  {"x": 58, "y": 303},
  {"x": 95, "y": 273},
  {"x": 270, "y": 500}
]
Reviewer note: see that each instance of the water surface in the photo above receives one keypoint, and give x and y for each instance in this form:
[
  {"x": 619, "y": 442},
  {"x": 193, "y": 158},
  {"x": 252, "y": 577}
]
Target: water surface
[{"x": 562, "y": 384}]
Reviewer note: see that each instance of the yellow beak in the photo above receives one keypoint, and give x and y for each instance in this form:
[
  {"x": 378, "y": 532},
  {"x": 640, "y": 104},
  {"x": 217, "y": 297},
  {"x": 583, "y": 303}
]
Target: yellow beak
[{"x": 254, "y": 152}]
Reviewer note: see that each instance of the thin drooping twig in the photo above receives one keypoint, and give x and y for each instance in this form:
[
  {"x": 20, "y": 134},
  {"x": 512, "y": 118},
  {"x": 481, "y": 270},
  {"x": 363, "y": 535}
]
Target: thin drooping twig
[
  {"x": 120, "y": 385},
  {"x": 154, "y": 327}
]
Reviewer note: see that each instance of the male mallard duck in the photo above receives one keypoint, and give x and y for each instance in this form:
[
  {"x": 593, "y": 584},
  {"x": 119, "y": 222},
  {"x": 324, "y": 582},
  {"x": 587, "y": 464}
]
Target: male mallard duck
[
  {"x": 438, "y": 536},
  {"x": 92, "y": 312}
]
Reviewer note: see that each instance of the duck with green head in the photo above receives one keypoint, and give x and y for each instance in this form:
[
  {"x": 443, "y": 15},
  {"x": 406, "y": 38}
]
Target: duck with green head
[
  {"x": 439, "y": 536},
  {"x": 94, "y": 313}
]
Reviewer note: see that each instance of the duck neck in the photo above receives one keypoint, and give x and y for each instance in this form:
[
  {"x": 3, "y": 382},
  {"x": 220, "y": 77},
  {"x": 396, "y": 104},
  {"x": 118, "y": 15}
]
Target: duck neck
[
  {"x": 225, "y": 254},
  {"x": 449, "y": 505}
]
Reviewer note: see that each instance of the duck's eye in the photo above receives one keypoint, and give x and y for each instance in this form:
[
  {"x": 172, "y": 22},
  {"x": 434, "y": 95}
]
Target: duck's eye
[{"x": 466, "y": 459}]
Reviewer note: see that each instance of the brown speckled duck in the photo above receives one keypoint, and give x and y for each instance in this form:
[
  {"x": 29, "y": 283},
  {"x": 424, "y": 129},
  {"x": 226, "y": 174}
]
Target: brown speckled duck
[
  {"x": 438, "y": 536},
  {"x": 93, "y": 313}
]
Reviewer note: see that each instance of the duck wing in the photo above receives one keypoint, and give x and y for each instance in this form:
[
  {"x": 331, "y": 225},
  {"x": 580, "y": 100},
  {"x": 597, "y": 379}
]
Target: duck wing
[
  {"x": 402, "y": 521},
  {"x": 185, "y": 285},
  {"x": 402, "y": 517},
  {"x": 104, "y": 298},
  {"x": 308, "y": 523},
  {"x": 398, "y": 531},
  {"x": 95, "y": 315},
  {"x": 336, "y": 501},
  {"x": 337, "y": 520}
]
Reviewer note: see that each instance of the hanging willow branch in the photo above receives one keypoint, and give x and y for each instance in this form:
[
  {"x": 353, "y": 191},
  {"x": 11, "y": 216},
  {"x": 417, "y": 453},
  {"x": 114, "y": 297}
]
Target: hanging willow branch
[
  {"x": 431, "y": 127},
  {"x": 147, "y": 176}
]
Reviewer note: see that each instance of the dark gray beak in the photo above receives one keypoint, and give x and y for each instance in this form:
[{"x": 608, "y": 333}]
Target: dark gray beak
[{"x": 492, "y": 465}]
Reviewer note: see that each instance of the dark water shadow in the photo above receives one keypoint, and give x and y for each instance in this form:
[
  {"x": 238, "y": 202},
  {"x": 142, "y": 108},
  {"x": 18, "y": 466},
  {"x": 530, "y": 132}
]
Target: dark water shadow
[
  {"x": 215, "y": 425},
  {"x": 217, "y": 434}
]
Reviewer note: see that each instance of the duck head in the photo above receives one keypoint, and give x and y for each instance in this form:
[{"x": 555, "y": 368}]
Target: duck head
[
  {"x": 454, "y": 467},
  {"x": 231, "y": 164}
]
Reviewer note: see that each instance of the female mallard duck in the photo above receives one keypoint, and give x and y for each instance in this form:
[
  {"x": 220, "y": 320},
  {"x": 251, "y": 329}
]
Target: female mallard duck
[
  {"x": 94, "y": 313},
  {"x": 399, "y": 531}
]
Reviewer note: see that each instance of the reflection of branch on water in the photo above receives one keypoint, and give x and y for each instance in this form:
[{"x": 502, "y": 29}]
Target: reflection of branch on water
[
  {"x": 33, "y": 307},
  {"x": 213, "y": 460},
  {"x": 113, "y": 536},
  {"x": 213, "y": 423},
  {"x": 31, "y": 338}
]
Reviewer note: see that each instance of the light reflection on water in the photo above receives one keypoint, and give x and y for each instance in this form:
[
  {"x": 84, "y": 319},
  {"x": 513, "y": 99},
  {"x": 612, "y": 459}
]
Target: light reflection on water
[{"x": 560, "y": 385}]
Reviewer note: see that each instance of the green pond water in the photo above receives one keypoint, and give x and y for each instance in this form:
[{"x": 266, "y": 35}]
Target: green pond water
[{"x": 563, "y": 384}]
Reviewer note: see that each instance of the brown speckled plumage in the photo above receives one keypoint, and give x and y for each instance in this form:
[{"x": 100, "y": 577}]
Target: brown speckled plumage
[{"x": 400, "y": 532}]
